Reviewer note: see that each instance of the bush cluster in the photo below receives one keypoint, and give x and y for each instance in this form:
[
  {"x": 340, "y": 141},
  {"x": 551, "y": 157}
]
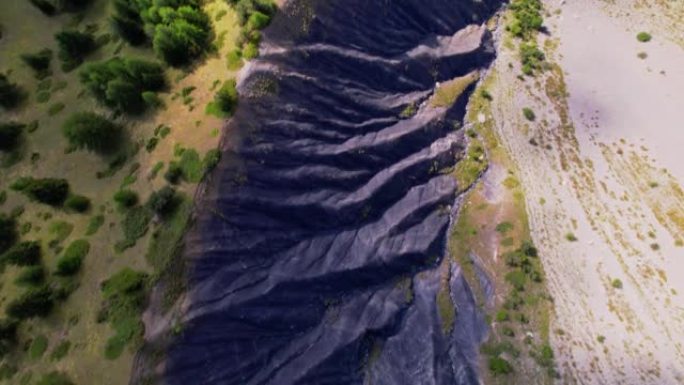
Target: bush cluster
[
  {"x": 522, "y": 262},
  {"x": 92, "y": 131},
  {"x": 50, "y": 191},
  {"x": 179, "y": 29},
  {"x": 527, "y": 16},
  {"x": 253, "y": 16},
  {"x": 531, "y": 58},
  {"x": 120, "y": 83}
]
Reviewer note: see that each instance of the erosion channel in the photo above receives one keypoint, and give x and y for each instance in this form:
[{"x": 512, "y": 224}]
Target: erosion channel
[{"x": 318, "y": 249}]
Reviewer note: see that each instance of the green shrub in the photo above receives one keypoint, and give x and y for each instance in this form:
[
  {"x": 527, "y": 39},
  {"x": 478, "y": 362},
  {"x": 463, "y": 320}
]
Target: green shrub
[
  {"x": 225, "y": 101},
  {"x": 10, "y": 133},
  {"x": 10, "y": 93},
  {"x": 258, "y": 20},
  {"x": 211, "y": 159},
  {"x": 72, "y": 259},
  {"x": 529, "y": 249},
  {"x": 120, "y": 83},
  {"x": 56, "y": 108},
  {"x": 152, "y": 100},
  {"x": 250, "y": 51},
  {"x": 531, "y": 58},
  {"x": 39, "y": 61},
  {"x": 60, "y": 230},
  {"x": 234, "y": 59},
  {"x": 246, "y": 8},
  {"x": 126, "y": 198},
  {"x": 504, "y": 227},
  {"x": 25, "y": 253},
  {"x": 499, "y": 366},
  {"x": 616, "y": 283},
  {"x": 92, "y": 131},
  {"x": 77, "y": 203},
  {"x": 501, "y": 316},
  {"x": 94, "y": 224},
  {"x": 181, "y": 35},
  {"x": 50, "y": 191},
  {"x": 135, "y": 224},
  {"x": 31, "y": 276},
  {"x": 74, "y": 46},
  {"x": 38, "y": 347},
  {"x": 173, "y": 173},
  {"x": 55, "y": 378},
  {"x": 124, "y": 296},
  {"x": 527, "y": 18},
  {"x": 517, "y": 279},
  {"x": 162, "y": 201},
  {"x": 570, "y": 237},
  {"x": 644, "y": 37},
  {"x": 545, "y": 356},
  {"x": 60, "y": 351},
  {"x": 529, "y": 114},
  {"x": 32, "y": 303}
]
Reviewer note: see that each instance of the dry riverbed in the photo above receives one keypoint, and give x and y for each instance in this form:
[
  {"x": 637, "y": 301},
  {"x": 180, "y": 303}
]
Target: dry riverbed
[{"x": 601, "y": 172}]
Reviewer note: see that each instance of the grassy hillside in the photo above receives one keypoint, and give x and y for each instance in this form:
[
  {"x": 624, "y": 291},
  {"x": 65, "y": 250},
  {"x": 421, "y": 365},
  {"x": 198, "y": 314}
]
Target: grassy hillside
[{"x": 71, "y": 333}]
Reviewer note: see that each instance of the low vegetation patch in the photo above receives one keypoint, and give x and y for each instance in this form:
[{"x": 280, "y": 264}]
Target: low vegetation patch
[
  {"x": 529, "y": 114},
  {"x": 447, "y": 93},
  {"x": 124, "y": 296},
  {"x": 38, "y": 347},
  {"x": 55, "y": 378},
  {"x": 644, "y": 37}
]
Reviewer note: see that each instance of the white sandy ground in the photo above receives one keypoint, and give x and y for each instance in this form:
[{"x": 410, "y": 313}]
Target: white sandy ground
[{"x": 611, "y": 177}]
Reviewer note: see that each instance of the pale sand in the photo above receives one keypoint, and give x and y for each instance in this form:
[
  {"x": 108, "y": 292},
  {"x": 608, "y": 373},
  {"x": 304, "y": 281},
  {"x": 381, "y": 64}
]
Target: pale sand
[{"x": 593, "y": 181}]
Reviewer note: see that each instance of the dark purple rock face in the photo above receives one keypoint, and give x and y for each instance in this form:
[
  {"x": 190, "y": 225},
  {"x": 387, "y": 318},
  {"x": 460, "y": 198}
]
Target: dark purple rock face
[{"x": 319, "y": 246}]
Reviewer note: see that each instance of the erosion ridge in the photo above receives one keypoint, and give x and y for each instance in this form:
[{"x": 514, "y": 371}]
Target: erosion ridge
[{"x": 315, "y": 254}]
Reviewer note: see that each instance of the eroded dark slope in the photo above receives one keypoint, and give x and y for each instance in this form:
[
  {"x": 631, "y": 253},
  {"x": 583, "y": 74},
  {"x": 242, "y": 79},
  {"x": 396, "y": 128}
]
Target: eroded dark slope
[{"x": 317, "y": 251}]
